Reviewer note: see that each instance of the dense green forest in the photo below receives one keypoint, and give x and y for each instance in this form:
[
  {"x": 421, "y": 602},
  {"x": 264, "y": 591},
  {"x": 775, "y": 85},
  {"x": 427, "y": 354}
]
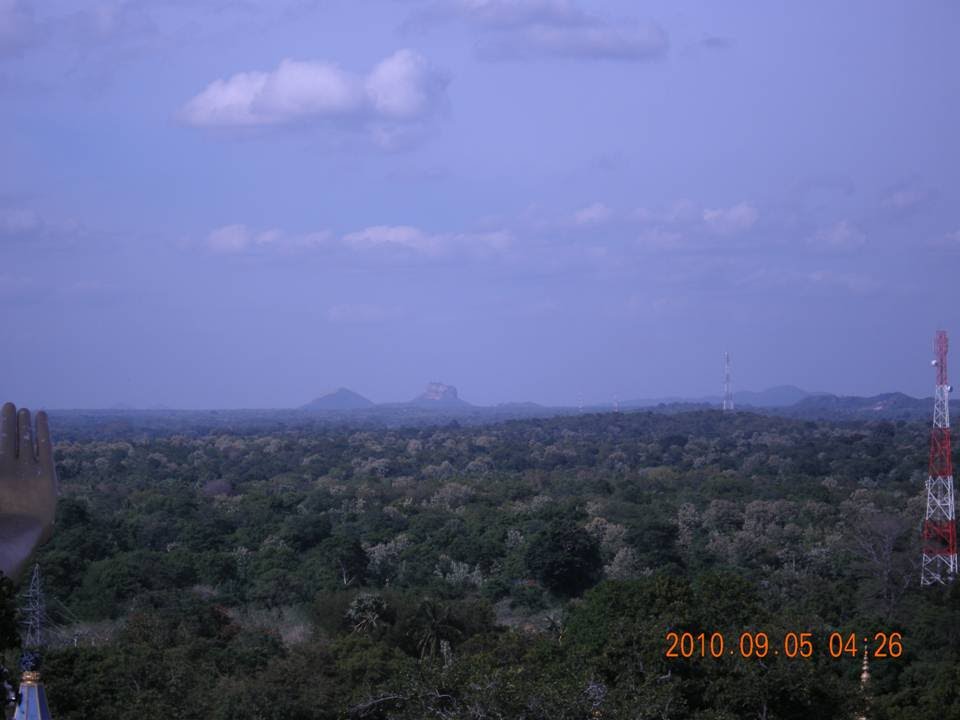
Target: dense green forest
[{"x": 529, "y": 569}]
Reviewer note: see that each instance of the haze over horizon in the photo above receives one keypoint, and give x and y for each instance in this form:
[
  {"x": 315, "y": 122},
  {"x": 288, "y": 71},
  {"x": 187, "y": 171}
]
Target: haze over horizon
[
  {"x": 770, "y": 394},
  {"x": 246, "y": 204}
]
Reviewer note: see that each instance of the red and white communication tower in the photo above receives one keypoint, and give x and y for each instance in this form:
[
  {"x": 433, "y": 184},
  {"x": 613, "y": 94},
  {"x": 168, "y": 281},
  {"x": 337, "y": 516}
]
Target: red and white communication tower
[{"x": 939, "y": 525}]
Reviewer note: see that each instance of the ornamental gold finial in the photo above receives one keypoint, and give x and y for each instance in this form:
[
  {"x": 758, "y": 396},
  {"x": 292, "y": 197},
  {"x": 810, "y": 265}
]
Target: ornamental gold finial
[{"x": 30, "y": 677}]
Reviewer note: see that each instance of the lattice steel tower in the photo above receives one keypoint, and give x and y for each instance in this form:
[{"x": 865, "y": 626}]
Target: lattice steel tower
[
  {"x": 727, "y": 387},
  {"x": 34, "y": 613},
  {"x": 939, "y": 525},
  {"x": 32, "y": 703}
]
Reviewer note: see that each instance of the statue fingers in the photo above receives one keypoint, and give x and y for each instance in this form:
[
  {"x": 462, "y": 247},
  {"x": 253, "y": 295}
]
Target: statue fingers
[
  {"x": 44, "y": 445},
  {"x": 25, "y": 451},
  {"x": 8, "y": 432}
]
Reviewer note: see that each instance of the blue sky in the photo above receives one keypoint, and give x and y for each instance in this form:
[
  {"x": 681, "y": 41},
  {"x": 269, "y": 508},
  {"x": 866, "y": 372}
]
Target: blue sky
[{"x": 247, "y": 203}]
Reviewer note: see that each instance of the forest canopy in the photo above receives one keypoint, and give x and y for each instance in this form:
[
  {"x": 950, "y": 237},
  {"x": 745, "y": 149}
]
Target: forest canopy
[{"x": 526, "y": 569}]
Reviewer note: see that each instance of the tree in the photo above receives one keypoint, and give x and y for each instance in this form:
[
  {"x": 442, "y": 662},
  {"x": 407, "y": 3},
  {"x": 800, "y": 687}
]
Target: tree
[
  {"x": 565, "y": 558},
  {"x": 437, "y": 628},
  {"x": 9, "y": 634},
  {"x": 349, "y": 560}
]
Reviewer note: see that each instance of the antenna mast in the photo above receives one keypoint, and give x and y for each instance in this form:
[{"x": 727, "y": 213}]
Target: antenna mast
[
  {"x": 939, "y": 564},
  {"x": 34, "y": 617},
  {"x": 727, "y": 387}
]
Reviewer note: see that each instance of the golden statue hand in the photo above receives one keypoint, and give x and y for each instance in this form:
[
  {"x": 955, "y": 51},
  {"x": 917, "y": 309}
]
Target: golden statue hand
[{"x": 28, "y": 487}]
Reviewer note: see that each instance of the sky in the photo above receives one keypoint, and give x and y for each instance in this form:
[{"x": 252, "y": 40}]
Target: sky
[{"x": 248, "y": 203}]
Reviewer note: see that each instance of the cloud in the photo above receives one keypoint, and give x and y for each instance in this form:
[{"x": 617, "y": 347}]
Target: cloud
[
  {"x": 107, "y": 32},
  {"x": 594, "y": 214},
  {"x": 229, "y": 239},
  {"x": 525, "y": 29},
  {"x": 235, "y": 239},
  {"x": 414, "y": 239},
  {"x": 852, "y": 282},
  {"x": 681, "y": 226},
  {"x": 906, "y": 200},
  {"x": 241, "y": 239},
  {"x": 124, "y": 22},
  {"x": 18, "y": 28},
  {"x": 16, "y": 221},
  {"x": 660, "y": 239},
  {"x": 842, "y": 235},
  {"x": 681, "y": 211},
  {"x": 25, "y": 224},
  {"x": 401, "y": 236},
  {"x": 500, "y": 14},
  {"x": 716, "y": 42},
  {"x": 950, "y": 241},
  {"x": 404, "y": 86},
  {"x": 402, "y": 90},
  {"x": 642, "y": 41},
  {"x": 732, "y": 220}
]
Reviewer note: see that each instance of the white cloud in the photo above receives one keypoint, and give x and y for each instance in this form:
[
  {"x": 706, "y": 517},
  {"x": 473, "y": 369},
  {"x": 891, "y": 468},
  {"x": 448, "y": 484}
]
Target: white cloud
[
  {"x": 234, "y": 239},
  {"x": 415, "y": 239},
  {"x": 402, "y": 236},
  {"x": 239, "y": 238},
  {"x": 404, "y": 86},
  {"x": 503, "y": 13},
  {"x": 905, "y": 199},
  {"x": 229, "y": 239},
  {"x": 487, "y": 243},
  {"x": 732, "y": 220},
  {"x": 14, "y": 221},
  {"x": 845, "y": 281},
  {"x": 521, "y": 29},
  {"x": 842, "y": 235},
  {"x": 644, "y": 41},
  {"x": 594, "y": 214},
  {"x": 298, "y": 90},
  {"x": 21, "y": 223},
  {"x": 402, "y": 89},
  {"x": 659, "y": 239}
]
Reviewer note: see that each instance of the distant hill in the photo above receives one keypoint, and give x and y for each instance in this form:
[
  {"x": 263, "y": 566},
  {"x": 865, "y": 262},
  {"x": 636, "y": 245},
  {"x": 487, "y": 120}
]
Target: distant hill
[
  {"x": 438, "y": 395},
  {"x": 340, "y": 399},
  {"x": 779, "y": 396},
  {"x": 520, "y": 405},
  {"x": 888, "y": 406}
]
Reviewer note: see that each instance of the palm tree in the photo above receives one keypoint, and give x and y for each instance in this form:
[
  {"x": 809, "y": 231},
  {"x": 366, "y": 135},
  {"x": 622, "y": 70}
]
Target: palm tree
[{"x": 436, "y": 627}]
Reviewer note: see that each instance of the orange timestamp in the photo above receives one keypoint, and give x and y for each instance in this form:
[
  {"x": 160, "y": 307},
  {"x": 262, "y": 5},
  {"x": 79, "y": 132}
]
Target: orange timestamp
[{"x": 686, "y": 645}]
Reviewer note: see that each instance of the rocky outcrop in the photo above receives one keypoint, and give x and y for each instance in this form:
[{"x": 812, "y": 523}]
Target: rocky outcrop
[{"x": 437, "y": 393}]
